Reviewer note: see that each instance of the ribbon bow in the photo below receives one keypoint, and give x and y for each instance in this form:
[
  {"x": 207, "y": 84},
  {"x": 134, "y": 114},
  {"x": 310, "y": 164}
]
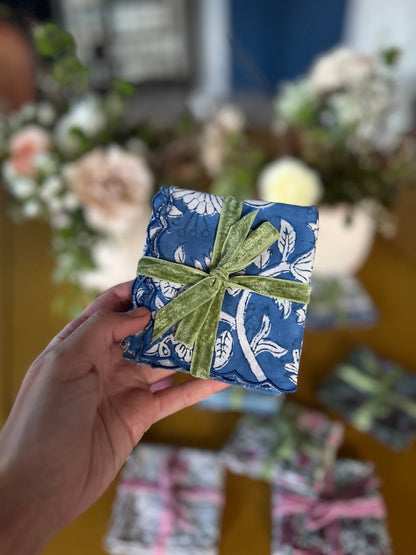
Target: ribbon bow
[
  {"x": 320, "y": 513},
  {"x": 379, "y": 387},
  {"x": 198, "y": 308}
]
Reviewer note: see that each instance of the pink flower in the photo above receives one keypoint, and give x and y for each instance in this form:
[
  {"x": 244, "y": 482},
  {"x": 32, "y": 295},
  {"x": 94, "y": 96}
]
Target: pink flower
[
  {"x": 113, "y": 187},
  {"x": 25, "y": 147}
]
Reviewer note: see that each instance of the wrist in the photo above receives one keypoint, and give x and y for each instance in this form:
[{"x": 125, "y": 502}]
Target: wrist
[{"x": 25, "y": 528}]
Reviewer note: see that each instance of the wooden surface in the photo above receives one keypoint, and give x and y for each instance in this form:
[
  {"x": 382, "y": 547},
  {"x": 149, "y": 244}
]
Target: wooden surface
[{"x": 27, "y": 324}]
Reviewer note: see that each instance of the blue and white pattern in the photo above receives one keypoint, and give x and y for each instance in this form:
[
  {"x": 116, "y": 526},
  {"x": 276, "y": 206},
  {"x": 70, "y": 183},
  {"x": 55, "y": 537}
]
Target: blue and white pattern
[{"x": 259, "y": 339}]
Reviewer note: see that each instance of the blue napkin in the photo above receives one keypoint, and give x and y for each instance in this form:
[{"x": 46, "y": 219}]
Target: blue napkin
[{"x": 259, "y": 338}]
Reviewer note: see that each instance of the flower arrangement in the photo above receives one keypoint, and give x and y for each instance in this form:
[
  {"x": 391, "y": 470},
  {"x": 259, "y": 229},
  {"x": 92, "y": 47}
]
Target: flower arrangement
[
  {"x": 69, "y": 159},
  {"x": 335, "y": 119},
  {"x": 73, "y": 159}
]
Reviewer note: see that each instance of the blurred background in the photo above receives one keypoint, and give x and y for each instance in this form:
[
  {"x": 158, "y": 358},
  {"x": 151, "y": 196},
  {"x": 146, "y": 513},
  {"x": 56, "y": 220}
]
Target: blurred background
[{"x": 287, "y": 101}]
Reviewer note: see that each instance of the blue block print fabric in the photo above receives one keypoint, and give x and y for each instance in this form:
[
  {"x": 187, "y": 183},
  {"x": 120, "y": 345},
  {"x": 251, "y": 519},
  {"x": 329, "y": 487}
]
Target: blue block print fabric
[{"x": 259, "y": 338}]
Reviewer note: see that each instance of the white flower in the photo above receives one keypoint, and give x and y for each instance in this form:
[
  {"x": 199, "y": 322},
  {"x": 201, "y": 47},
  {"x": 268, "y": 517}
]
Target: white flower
[
  {"x": 54, "y": 204},
  {"x": 27, "y": 112},
  {"x": 230, "y": 118},
  {"x": 46, "y": 163},
  {"x": 87, "y": 116},
  {"x": 45, "y": 113},
  {"x": 21, "y": 187},
  {"x": 294, "y": 99},
  {"x": 61, "y": 220},
  {"x": 112, "y": 186},
  {"x": 289, "y": 181},
  {"x": 345, "y": 110},
  {"x": 116, "y": 257},
  {"x": 339, "y": 68},
  {"x": 70, "y": 201},
  {"x": 51, "y": 187},
  {"x": 201, "y": 203},
  {"x": 31, "y": 209}
]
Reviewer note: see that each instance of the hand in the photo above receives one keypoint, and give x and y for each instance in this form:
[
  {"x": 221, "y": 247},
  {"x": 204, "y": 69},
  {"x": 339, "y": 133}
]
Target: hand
[{"x": 79, "y": 413}]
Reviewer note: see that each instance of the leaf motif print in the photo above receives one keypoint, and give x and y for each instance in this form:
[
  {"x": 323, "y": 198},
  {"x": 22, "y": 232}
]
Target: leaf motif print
[
  {"x": 301, "y": 315},
  {"x": 140, "y": 293},
  {"x": 302, "y": 267},
  {"x": 153, "y": 230},
  {"x": 198, "y": 265},
  {"x": 286, "y": 306},
  {"x": 161, "y": 349},
  {"x": 292, "y": 367},
  {"x": 183, "y": 352},
  {"x": 223, "y": 349},
  {"x": 287, "y": 239},
  {"x": 159, "y": 303},
  {"x": 169, "y": 290},
  {"x": 263, "y": 259},
  {"x": 263, "y": 332},
  {"x": 179, "y": 255},
  {"x": 261, "y": 345},
  {"x": 268, "y": 346}
]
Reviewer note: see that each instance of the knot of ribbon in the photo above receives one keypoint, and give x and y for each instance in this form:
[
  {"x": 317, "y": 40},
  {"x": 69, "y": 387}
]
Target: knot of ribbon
[
  {"x": 379, "y": 388},
  {"x": 320, "y": 513},
  {"x": 197, "y": 309}
]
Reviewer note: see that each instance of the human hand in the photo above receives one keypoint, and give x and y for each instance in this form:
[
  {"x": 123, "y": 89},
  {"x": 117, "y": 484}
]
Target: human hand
[{"x": 79, "y": 413}]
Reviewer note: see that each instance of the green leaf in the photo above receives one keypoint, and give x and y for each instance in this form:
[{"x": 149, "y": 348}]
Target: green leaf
[
  {"x": 51, "y": 41},
  {"x": 391, "y": 56},
  {"x": 69, "y": 71},
  {"x": 124, "y": 88}
]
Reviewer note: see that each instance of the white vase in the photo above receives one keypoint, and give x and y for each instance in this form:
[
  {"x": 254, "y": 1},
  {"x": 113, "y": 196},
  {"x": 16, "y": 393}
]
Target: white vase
[{"x": 346, "y": 236}]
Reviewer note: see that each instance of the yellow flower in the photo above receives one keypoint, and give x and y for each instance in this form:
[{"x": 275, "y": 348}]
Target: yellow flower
[{"x": 290, "y": 181}]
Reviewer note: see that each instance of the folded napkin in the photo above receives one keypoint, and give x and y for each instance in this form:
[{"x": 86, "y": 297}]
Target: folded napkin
[
  {"x": 227, "y": 284},
  {"x": 169, "y": 502},
  {"x": 293, "y": 448},
  {"x": 375, "y": 395},
  {"x": 347, "y": 518}
]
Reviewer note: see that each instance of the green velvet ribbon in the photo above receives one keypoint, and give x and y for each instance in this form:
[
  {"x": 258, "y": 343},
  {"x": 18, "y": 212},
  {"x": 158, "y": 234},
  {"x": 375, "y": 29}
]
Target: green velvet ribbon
[
  {"x": 379, "y": 388},
  {"x": 197, "y": 309}
]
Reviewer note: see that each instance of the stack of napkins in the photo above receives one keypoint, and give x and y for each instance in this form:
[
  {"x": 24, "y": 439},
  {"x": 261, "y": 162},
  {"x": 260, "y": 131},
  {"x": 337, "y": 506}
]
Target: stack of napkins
[
  {"x": 374, "y": 394},
  {"x": 347, "y": 518},
  {"x": 169, "y": 500},
  {"x": 249, "y": 268},
  {"x": 293, "y": 449}
]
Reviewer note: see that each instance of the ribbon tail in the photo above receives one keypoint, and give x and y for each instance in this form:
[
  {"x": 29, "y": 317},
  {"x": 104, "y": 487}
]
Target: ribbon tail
[
  {"x": 185, "y": 303},
  {"x": 205, "y": 343},
  {"x": 169, "y": 271},
  {"x": 190, "y": 326},
  {"x": 255, "y": 244},
  {"x": 236, "y": 236},
  {"x": 284, "y": 289},
  {"x": 230, "y": 214}
]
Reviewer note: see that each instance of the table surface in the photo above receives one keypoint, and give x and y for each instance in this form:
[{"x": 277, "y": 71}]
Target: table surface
[{"x": 27, "y": 324}]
